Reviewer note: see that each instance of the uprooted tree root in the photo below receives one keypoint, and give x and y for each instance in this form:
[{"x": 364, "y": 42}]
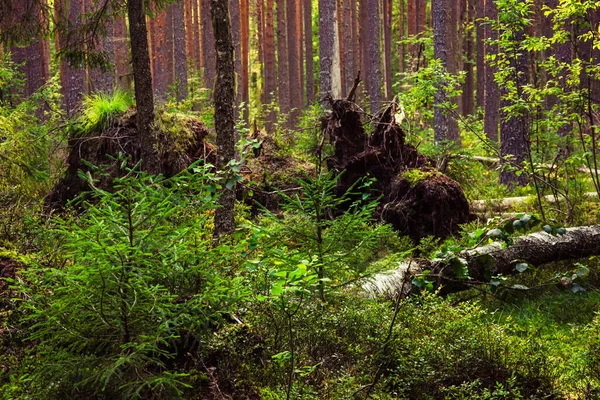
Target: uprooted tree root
[
  {"x": 181, "y": 142},
  {"x": 416, "y": 199}
]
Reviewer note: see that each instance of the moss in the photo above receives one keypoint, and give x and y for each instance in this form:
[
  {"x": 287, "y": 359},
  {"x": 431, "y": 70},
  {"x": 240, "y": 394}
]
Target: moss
[{"x": 414, "y": 176}]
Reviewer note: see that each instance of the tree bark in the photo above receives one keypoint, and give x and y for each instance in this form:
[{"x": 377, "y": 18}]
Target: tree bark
[
  {"x": 270, "y": 73},
  {"x": 348, "y": 40},
  {"x": 283, "y": 77},
  {"x": 326, "y": 43},
  {"x": 293, "y": 60},
  {"x": 491, "y": 260},
  {"x": 245, "y": 50},
  {"x": 468, "y": 87},
  {"x": 142, "y": 77},
  {"x": 373, "y": 56},
  {"x": 161, "y": 40},
  {"x": 122, "y": 55},
  {"x": 492, "y": 93},
  {"x": 224, "y": 98},
  {"x": 100, "y": 80},
  {"x": 444, "y": 41},
  {"x": 480, "y": 37},
  {"x": 208, "y": 44},
  {"x": 387, "y": 49},
  {"x": 308, "y": 51},
  {"x": 514, "y": 129},
  {"x": 180, "y": 56},
  {"x": 402, "y": 29},
  {"x": 235, "y": 15}
]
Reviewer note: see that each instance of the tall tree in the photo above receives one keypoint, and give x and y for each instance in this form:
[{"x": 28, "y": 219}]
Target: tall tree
[
  {"x": 480, "y": 37},
  {"x": 402, "y": 29},
  {"x": 208, "y": 44},
  {"x": 468, "y": 86},
  {"x": 326, "y": 43},
  {"x": 283, "y": 77},
  {"x": 142, "y": 77},
  {"x": 444, "y": 41},
  {"x": 235, "y": 11},
  {"x": 122, "y": 54},
  {"x": 308, "y": 52},
  {"x": 161, "y": 40},
  {"x": 348, "y": 41},
  {"x": 373, "y": 56},
  {"x": 270, "y": 72},
  {"x": 180, "y": 56},
  {"x": 224, "y": 98},
  {"x": 492, "y": 92},
  {"x": 294, "y": 62},
  {"x": 514, "y": 127},
  {"x": 245, "y": 49},
  {"x": 387, "y": 47}
]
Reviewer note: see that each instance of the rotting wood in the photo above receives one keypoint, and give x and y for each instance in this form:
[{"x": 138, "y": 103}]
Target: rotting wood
[{"x": 487, "y": 261}]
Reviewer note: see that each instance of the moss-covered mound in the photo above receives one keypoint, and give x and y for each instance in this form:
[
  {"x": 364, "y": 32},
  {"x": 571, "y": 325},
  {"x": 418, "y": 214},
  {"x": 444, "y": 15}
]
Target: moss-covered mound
[{"x": 181, "y": 142}]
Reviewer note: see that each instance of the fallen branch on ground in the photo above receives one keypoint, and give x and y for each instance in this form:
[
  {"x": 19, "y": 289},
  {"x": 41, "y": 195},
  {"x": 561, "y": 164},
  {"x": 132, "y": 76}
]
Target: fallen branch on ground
[{"x": 487, "y": 261}]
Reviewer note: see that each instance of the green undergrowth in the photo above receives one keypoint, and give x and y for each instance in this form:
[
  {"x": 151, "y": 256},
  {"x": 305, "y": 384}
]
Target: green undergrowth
[{"x": 100, "y": 110}]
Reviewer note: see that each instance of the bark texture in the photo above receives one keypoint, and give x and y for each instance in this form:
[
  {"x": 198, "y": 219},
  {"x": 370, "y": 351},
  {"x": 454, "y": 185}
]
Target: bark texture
[
  {"x": 514, "y": 129},
  {"x": 208, "y": 44},
  {"x": 484, "y": 262},
  {"x": 480, "y": 38},
  {"x": 326, "y": 43},
  {"x": 180, "y": 56},
  {"x": 142, "y": 76},
  {"x": 308, "y": 52},
  {"x": 373, "y": 56},
  {"x": 492, "y": 92},
  {"x": 444, "y": 41},
  {"x": 283, "y": 77},
  {"x": 270, "y": 72},
  {"x": 224, "y": 97}
]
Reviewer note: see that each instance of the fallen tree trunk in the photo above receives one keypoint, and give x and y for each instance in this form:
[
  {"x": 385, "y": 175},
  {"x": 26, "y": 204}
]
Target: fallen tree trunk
[
  {"x": 487, "y": 261},
  {"x": 504, "y": 204},
  {"x": 495, "y": 162}
]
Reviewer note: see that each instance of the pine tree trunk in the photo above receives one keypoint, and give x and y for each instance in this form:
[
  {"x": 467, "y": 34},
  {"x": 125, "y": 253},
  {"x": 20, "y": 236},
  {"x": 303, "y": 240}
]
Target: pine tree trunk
[
  {"x": 235, "y": 11},
  {"x": 411, "y": 17},
  {"x": 124, "y": 74},
  {"x": 270, "y": 73},
  {"x": 348, "y": 38},
  {"x": 260, "y": 22},
  {"x": 373, "y": 56},
  {"x": 444, "y": 41},
  {"x": 161, "y": 40},
  {"x": 480, "y": 37},
  {"x": 101, "y": 81},
  {"x": 293, "y": 60},
  {"x": 492, "y": 93},
  {"x": 326, "y": 43},
  {"x": 224, "y": 98},
  {"x": 72, "y": 78},
  {"x": 180, "y": 56},
  {"x": 208, "y": 44},
  {"x": 189, "y": 33},
  {"x": 197, "y": 38},
  {"x": 363, "y": 41},
  {"x": 514, "y": 129},
  {"x": 245, "y": 49},
  {"x": 341, "y": 48},
  {"x": 142, "y": 76},
  {"x": 308, "y": 51},
  {"x": 468, "y": 87},
  {"x": 283, "y": 78},
  {"x": 387, "y": 48},
  {"x": 402, "y": 29}
]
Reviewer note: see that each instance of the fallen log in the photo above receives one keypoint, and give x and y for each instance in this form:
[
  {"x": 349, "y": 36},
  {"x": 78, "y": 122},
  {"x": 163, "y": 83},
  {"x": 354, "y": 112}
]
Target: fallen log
[
  {"x": 487, "y": 261},
  {"x": 495, "y": 162},
  {"x": 504, "y": 204}
]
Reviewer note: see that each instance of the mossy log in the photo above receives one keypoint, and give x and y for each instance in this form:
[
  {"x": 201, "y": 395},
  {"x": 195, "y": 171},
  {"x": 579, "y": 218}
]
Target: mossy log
[{"x": 487, "y": 261}]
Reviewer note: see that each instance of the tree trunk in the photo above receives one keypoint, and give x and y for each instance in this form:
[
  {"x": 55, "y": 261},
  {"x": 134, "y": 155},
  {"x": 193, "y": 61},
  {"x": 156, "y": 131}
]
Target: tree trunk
[
  {"x": 480, "y": 37},
  {"x": 468, "y": 87},
  {"x": 387, "y": 49},
  {"x": 72, "y": 77},
  {"x": 293, "y": 60},
  {"x": 514, "y": 129},
  {"x": 99, "y": 80},
  {"x": 348, "y": 40},
  {"x": 142, "y": 77},
  {"x": 492, "y": 93},
  {"x": 444, "y": 41},
  {"x": 196, "y": 37},
  {"x": 373, "y": 56},
  {"x": 122, "y": 55},
  {"x": 326, "y": 43},
  {"x": 411, "y": 17},
  {"x": 208, "y": 45},
  {"x": 401, "y": 28},
  {"x": 487, "y": 261},
  {"x": 283, "y": 78},
  {"x": 235, "y": 11},
  {"x": 270, "y": 74},
  {"x": 308, "y": 52},
  {"x": 161, "y": 40},
  {"x": 245, "y": 50},
  {"x": 179, "y": 56},
  {"x": 224, "y": 97}
]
